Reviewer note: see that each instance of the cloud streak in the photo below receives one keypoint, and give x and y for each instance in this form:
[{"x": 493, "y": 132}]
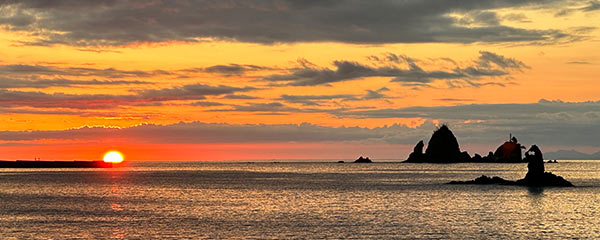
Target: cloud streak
[
  {"x": 47, "y": 83},
  {"x": 314, "y": 100},
  {"x": 26, "y": 69},
  {"x": 401, "y": 69},
  {"x": 14, "y": 76},
  {"x": 543, "y": 109},
  {"x": 10, "y": 98}
]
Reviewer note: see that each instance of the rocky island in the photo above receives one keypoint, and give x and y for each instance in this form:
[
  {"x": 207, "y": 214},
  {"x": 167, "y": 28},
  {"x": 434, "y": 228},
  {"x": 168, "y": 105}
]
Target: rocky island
[
  {"x": 362, "y": 159},
  {"x": 536, "y": 175},
  {"x": 443, "y": 147}
]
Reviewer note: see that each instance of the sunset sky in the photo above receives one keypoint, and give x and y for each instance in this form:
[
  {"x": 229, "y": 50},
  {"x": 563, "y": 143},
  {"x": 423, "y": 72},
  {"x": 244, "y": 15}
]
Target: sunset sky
[{"x": 250, "y": 80}]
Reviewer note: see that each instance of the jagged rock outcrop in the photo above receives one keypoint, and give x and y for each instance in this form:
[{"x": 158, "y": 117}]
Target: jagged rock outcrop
[
  {"x": 535, "y": 177},
  {"x": 535, "y": 159},
  {"x": 484, "y": 180},
  {"x": 362, "y": 159},
  {"x": 417, "y": 154},
  {"x": 442, "y": 147},
  {"x": 464, "y": 157}
]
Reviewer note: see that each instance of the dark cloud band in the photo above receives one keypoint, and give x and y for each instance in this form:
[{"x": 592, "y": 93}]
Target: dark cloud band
[{"x": 95, "y": 23}]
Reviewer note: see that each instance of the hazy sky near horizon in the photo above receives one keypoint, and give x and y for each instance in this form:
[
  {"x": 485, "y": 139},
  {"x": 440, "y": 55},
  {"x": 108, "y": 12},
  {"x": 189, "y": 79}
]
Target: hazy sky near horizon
[{"x": 226, "y": 80}]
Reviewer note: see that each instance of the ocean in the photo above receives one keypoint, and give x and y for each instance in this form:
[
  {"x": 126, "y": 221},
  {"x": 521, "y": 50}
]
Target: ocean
[{"x": 292, "y": 200}]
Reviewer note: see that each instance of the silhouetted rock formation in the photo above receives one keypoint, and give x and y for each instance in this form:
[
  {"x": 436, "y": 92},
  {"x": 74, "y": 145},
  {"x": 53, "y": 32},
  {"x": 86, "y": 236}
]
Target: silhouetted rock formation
[
  {"x": 417, "y": 154},
  {"x": 464, "y": 157},
  {"x": 361, "y": 159},
  {"x": 535, "y": 177},
  {"x": 509, "y": 152},
  {"x": 535, "y": 159},
  {"x": 484, "y": 180},
  {"x": 442, "y": 147}
]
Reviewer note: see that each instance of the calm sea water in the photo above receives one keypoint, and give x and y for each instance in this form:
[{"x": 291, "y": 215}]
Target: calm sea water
[{"x": 196, "y": 200}]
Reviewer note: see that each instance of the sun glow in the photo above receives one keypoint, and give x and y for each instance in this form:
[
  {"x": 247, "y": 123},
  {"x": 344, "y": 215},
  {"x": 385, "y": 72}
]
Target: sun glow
[{"x": 113, "y": 157}]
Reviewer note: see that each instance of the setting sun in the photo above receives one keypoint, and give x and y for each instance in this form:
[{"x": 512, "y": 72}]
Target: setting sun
[{"x": 113, "y": 157}]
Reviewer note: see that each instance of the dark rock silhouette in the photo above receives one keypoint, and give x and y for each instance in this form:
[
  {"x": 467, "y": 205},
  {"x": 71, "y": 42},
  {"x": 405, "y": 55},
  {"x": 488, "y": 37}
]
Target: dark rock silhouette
[
  {"x": 340, "y": 161},
  {"x": 477, "y": 158},
  {"x": 489, "y": 158},
  {"x": 464, "y": 157},
  {"x": 484, "y": 180},
  {"x": 361, "y": 159},
  {"x": 535, "y": 166},
  {"x": 535, "y": 177},
  {"x": 442, "y": 147},
  {"x": 509, "y": 152},
  {"x": 545, "y": 179},
  {"x": 417, "y": 154}
]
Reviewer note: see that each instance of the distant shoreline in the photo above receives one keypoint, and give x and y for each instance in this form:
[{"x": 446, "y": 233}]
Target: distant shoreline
[
  {"x": 55, "y": 164},
  {"x": 101, "y": 164}
]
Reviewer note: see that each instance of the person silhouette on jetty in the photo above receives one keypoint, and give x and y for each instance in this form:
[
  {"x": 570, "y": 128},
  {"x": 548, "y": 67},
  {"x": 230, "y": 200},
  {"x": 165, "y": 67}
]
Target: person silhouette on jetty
[{"x": 535, "y": 177}]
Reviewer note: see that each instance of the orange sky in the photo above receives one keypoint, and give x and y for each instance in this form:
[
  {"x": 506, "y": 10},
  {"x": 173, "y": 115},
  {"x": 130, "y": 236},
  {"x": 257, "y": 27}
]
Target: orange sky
[{"x": 58, "y": 74}]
